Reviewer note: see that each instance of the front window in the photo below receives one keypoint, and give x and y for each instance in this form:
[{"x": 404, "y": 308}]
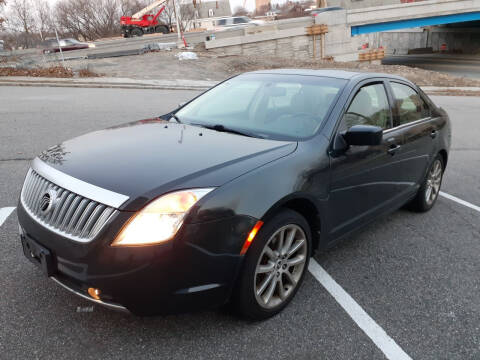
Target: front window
[
  {"x": 369, "y": 107},
  {"x": 282, "y": 107}
]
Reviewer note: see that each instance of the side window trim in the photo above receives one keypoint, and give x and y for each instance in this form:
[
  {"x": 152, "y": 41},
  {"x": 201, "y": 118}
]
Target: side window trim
[
  {"x": 354, "y": 93},
  {"x": 395, "y": 118}
]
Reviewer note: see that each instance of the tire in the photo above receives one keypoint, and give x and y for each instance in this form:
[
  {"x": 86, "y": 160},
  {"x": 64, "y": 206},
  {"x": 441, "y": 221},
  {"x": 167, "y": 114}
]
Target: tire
[
  {"x": 161, "y": 29},
  {"x": 427, "y": 195},
  {"x": 136, "y": 32},
  {"x": 255, "y": 296}
]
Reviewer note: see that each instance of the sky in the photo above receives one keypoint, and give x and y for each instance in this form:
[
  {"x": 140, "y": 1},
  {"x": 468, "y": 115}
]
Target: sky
[{"x": 250, "y": 4}]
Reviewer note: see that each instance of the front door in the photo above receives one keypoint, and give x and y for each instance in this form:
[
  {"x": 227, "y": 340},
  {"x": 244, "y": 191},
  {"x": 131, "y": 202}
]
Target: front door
[{"x": 365, "y": 179}]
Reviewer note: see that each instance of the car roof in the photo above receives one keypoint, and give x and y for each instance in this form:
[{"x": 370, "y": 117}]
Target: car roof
[{"x": 333, "y": 73}]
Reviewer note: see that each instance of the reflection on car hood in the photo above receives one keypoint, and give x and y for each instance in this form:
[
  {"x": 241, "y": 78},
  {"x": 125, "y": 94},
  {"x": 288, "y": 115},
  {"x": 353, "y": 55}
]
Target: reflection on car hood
[{"x": 147, "y": 158}]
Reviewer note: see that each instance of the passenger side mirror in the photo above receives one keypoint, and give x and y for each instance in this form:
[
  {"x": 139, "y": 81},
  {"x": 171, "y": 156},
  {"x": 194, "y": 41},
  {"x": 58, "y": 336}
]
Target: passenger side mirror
[{"x": 364, "y": 135}]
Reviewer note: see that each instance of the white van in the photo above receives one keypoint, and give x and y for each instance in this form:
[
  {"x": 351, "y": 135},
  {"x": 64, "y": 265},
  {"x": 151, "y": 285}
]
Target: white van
[{"x": 236, "y": 21}]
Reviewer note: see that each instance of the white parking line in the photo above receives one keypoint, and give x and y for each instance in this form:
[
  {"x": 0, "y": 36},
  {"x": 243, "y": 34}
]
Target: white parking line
[
  {"x": 460, "y": 201},
  {"x": 5, "y": 213},
  {"x": 379, "y": 337}
]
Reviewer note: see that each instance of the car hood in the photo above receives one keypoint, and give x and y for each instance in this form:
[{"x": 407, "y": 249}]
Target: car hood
[{"x": 145, "y": 159}]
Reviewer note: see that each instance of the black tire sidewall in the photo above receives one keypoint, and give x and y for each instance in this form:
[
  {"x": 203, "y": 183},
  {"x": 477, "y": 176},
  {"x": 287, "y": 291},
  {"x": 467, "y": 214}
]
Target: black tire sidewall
[
  {"x": 244, "y": 296},
  {"x": 420, "y": 203},
  {"x": 136, "y": 32},
  {"x": 161, "y": 29}
]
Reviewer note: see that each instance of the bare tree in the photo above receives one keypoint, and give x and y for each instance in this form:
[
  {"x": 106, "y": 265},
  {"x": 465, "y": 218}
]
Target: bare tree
[
  {"x": 168, "y": 14},
  {"x": 187, "y": 16},
  {"x": 89, "y": 19},
  {"x": 130, "y": 7},
  {"x": 2, "y": 20},
  {"x": 240, "y": 11},
  {"x": 44, "y": 19},
  {"x": 21, "y": 18}
]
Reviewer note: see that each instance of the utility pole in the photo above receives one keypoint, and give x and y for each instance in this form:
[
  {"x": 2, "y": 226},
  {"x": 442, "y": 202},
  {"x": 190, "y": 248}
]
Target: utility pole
[
  {"x": 60, "y": 48},
  {"x": 177, "y": 20}
]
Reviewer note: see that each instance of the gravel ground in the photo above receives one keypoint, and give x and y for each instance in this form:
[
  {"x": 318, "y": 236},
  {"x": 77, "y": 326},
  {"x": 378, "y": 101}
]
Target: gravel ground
[
  {"x": 164, "y": 65},
  {"x": 209, "y": 66}
]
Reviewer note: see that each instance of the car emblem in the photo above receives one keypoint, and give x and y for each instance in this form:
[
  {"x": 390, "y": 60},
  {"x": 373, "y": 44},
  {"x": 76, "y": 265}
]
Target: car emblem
[{"x": 48, "y": 201}]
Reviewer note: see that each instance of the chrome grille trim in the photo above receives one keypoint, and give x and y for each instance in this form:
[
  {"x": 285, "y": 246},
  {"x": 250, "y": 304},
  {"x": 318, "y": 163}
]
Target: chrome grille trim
[
  {"x": 74, "y": 217},
  {"x": 79, "y": 187}
]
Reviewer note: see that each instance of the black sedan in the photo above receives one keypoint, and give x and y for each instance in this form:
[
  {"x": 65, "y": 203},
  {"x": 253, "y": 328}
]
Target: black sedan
[{"x": 226, "y": 198}]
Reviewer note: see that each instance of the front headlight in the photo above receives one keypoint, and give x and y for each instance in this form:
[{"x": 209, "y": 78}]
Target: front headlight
[{"x": 160, "y": 220}]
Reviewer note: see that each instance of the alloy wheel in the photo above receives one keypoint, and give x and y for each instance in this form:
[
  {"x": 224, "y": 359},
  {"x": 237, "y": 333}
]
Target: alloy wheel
[
  {"x": 280, "y": 266},
  {"x": 434, "y": 180}
]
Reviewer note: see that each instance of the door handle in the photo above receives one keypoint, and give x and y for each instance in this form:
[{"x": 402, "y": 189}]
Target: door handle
[
  {"x": 433, "y": 134},
  {"x": 393, "y": 149}
]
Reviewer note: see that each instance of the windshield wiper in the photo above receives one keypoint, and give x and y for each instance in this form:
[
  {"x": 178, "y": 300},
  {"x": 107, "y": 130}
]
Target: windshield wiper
[
  {"x": 176, "y": 118},
  {"x": 222, "y": 128}
]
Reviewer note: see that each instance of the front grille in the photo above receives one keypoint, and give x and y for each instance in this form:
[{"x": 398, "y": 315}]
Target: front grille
[{"x": 71, "y": 215}]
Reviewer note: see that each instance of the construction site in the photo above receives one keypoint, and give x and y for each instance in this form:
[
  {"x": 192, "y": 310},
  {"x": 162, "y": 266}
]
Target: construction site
[{"x": 213, "y": 44}]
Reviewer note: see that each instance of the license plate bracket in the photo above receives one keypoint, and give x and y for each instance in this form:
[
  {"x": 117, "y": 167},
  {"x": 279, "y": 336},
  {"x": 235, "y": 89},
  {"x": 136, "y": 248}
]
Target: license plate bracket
[{"x": 39, "y": 255}]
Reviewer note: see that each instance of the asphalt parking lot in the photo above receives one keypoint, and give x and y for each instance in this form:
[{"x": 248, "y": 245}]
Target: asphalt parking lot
[{"x": 415, "y": 275}]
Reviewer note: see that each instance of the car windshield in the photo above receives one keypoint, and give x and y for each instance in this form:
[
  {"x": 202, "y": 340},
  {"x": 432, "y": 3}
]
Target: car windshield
[{"x": 280, "y": 107}]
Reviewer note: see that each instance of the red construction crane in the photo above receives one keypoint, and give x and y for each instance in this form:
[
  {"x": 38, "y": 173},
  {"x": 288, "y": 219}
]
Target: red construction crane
[{"x": 143, "y": 23}]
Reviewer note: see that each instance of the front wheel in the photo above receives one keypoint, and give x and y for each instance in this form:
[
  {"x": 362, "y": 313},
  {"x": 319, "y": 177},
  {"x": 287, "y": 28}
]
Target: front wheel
[
  {"x": 428, "y": 193},
  {"x": 136, "y": 32},
  {"x": 274, "y": 267}
]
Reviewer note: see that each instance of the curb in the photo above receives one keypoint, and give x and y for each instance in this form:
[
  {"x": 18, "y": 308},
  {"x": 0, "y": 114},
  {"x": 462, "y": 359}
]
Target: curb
[
  {"x": 120, "y": 83},
  {"x": 105, "y": 86}
]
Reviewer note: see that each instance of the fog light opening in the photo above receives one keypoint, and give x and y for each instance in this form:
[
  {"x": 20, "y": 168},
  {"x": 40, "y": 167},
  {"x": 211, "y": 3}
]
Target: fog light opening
[
  {"x": 251, "y": 236},
  {"x": 94, "y": 293}
]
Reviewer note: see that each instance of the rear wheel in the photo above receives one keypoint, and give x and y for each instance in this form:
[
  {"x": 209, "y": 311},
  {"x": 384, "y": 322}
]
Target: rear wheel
[
  {"x": 136, "y": 32},
  {"x": 274, "y": 267},
  {"x": 161, "y": 29},
  {"x": 428, "y": 193}
]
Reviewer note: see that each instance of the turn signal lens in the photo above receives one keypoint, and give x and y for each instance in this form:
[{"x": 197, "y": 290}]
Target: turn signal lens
[
  {"x": 160, "y": 220},
  {"x": 94, "y": 293},
  {"x": 251, "y": 236}
]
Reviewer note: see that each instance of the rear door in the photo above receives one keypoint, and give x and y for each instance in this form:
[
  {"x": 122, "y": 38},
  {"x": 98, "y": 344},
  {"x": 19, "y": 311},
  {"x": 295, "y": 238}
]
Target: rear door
[
  {"x": 412, "y": 117},
  {"x": 365, "y": 179}
]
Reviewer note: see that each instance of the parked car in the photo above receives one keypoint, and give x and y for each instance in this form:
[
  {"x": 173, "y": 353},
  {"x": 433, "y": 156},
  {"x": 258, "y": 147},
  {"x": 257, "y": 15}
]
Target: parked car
[
  {"x": 315, "y": 12},
  {"x": 226, "y": 198},
  {"x": 236, "y": 21},
  {"x": 53, "y": 46}
]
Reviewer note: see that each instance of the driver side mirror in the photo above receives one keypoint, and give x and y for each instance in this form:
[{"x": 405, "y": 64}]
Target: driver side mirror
[
  {"x": 358, "y": 135},
  {"x": 364, "y": 135}
]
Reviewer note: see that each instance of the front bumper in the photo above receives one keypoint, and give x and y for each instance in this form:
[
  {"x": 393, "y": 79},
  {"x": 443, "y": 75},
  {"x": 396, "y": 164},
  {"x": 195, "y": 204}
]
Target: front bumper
[{"x": 194, "y": 271}]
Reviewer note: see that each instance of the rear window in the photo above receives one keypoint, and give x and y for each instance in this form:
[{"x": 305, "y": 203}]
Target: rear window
[{"x": 409, "y": 105}]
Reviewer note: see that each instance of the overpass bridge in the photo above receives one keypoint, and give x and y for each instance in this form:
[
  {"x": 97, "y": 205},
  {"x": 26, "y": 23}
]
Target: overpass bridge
[
  {"x": 349, "y": 29},
  {"x": 408, "y": 15}
]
